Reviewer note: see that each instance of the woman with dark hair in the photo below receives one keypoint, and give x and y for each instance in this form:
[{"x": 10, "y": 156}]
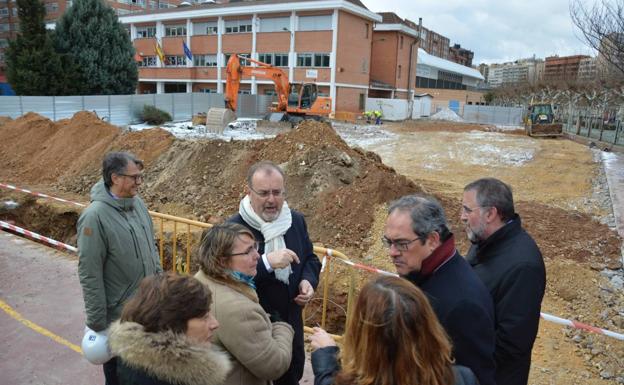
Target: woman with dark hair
[
  {"x": 393, "y": 338},
  {"x": 163, "y": 336},
  {"x": 261, "y": 350}
]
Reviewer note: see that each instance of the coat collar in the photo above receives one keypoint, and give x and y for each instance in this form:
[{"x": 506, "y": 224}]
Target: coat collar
[
  {"x": 485, "y": 248},
  {"x": 168, "y": 356}
]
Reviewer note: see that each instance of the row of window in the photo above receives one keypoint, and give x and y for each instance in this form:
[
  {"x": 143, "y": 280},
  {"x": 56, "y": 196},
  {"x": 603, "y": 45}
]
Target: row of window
[
  {"x": 438, "y": 83},
  {"x": 277, "y": 59},
  {"x": 5, "y": 12},
  {"x": 274, "y": 24}
]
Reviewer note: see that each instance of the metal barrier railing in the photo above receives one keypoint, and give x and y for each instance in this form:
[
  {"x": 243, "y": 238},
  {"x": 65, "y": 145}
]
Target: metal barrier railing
[
  {"x": 327, "y": 256},
  {"x": 182, "y": 263}
]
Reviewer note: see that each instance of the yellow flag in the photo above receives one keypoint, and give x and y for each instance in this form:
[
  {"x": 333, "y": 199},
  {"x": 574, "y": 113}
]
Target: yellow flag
[{"x": 159, "y": 52}]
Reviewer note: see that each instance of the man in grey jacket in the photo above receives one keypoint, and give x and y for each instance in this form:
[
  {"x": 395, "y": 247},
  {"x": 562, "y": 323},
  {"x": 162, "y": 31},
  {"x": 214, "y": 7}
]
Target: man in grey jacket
[{"x": 116, "y": 245}]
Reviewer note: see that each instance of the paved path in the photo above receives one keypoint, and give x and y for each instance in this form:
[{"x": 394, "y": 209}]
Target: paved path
[
  {"x": 614, "y": 170},
  {"x": 41, "y": 317}
]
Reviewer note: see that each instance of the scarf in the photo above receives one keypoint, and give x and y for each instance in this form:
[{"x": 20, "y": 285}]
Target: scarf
[
  {"x": 273, "y": 232},
  {"x": 244, "y": 278}
]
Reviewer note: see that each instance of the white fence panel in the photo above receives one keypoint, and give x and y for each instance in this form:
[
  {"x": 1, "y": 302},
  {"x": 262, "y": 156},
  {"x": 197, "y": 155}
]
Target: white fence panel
[{"x": 391, "y": 109}]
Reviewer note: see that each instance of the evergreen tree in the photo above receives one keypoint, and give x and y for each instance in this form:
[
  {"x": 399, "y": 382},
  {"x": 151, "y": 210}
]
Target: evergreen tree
[
  {"x": 33, "y": 66},
  {"x": 91, "y": 33}
]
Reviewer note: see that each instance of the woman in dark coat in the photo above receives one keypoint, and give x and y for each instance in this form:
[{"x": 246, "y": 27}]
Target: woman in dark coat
[
  {"x": 393, "y": 338},
  {"x": 163, "y": 336}
]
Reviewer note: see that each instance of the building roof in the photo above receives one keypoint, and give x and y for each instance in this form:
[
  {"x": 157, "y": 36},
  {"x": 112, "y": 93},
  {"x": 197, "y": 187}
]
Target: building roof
[
  {"x": 246, "y": 7},
  {"x": 446, "y": 65},
  {"x": 393, "y": 22}
]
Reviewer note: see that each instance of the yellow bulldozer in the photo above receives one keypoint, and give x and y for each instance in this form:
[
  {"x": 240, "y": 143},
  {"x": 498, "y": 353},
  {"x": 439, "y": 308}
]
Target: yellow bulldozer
[{"x": 540, "y": 121}]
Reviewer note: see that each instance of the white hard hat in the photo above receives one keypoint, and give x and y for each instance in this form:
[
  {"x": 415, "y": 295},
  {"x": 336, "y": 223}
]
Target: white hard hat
[{"x": 95, "y": 347}]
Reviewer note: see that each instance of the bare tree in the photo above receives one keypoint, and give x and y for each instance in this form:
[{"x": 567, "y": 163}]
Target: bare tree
[{"x": 602, "y": 27}]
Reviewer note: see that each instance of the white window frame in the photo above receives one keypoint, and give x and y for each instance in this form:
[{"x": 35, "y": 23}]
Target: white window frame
[
  {"x": 238, "y": 26},
  {"x": 315, "y": 23},
  {"x": 274, "y": 24},
  {"x": 148, "y": 61},
  {"x": 205, "y": 28},
  {"x": 314, "y": 59},
  {"x": 143, "y": 32},
  {"x": 175, "y": 30},
  {"x": 177, "y": 60},
  {"x": 206, "y": 60},
  {"x": 272, "y": 58}
]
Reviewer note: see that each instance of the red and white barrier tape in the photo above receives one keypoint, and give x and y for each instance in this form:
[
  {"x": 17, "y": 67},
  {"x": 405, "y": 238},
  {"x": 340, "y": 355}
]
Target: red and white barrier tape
[
  {"x": 30, "y": 234},
  {"x": 545, "y": 316},
  {"x": 41, "y": 195},
  {"x": 329, "y": 253}
]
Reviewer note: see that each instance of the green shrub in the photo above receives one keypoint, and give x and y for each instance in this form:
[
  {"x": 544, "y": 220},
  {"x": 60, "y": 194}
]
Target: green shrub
[{"x": 153, "y": 115}]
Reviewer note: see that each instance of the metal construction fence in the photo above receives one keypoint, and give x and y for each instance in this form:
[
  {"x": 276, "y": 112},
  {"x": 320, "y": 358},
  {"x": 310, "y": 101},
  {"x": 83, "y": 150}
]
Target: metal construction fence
[
  {"x": 498, "y": 115},
  {"x": 607, "y": 129},
  {"x": 125, "y": 109}
]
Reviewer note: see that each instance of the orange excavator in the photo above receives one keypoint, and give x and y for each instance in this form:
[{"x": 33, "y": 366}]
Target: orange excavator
[{"x": 295, "y": 102}]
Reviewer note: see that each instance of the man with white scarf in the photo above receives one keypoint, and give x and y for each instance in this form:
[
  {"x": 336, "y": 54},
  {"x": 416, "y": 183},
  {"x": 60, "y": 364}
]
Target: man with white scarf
[{"x": 289, "y": 271}]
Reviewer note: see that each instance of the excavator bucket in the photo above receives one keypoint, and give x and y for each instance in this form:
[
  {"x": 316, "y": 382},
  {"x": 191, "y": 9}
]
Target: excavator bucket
[{"x": 218, "y": 118}]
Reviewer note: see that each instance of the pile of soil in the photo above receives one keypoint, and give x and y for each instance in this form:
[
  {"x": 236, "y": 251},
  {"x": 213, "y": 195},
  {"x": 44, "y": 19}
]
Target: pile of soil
[{"x": 39, "y": 151}]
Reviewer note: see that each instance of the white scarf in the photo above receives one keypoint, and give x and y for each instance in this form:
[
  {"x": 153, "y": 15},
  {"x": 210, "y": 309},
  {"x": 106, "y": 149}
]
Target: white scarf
[{"x": 273, "y": 232}]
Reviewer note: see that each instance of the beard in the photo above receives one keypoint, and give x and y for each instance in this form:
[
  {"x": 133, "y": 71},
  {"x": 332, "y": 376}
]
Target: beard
[{"x": 477, "y": 234}]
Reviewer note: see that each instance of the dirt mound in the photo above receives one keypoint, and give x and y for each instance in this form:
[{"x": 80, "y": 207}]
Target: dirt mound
[
  {"x": 40, "y": 150},
  {"x": 4, "y": 120},
  {"x": 335, "y": 186},
  {"x": 70, "y": 151}
]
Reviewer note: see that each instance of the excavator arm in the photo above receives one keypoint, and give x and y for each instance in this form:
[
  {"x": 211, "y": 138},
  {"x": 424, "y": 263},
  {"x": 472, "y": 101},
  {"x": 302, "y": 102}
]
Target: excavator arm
[{"x": 235, "y": 71}]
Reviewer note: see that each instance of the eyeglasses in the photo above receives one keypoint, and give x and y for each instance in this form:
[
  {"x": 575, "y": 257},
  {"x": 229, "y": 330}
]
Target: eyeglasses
[
  {"x": 266, "y": 193},
  {"x": 137, "y": 177},
  {"x": 401, "y": 245},
  {"x": 255, "y": 246},
  {"x": 469, "y": 210}
]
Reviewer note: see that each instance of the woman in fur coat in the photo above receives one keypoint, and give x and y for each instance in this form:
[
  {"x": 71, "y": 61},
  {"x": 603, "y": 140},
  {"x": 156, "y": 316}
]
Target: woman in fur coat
[{"x": 163, "y": 336}]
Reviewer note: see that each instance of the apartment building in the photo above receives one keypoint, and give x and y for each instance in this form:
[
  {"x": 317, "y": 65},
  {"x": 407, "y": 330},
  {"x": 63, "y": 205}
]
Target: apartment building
[
  {"x": 393, "y": 59},
  {"x": 324, "y": 41},
  {"x": 588, "y": 69},
  {"x": 435, "y": 44},
  {"x": 461, "y": 55},
  {"x": 562, "y": 68},
  {"x": 522, "y": 71}
]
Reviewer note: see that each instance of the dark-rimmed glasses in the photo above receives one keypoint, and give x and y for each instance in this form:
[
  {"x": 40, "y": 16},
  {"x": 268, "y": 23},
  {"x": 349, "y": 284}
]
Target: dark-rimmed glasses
[
  {"x": 267, "y": 193},
  {"x": 255, "y": 246},
  {"x": 401, "y": 244},
  {"x": 136, "y": 177}
]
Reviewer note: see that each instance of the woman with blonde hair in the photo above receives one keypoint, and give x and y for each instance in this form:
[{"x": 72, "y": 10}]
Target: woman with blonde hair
[
  {"x": 163, "y": 336},
  {"x": 393, "y": 338},
  {"x": 261, "y": 349}
]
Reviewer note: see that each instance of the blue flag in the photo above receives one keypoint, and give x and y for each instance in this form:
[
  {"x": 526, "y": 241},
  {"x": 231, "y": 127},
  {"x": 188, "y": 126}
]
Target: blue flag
[{"x": 187, "y": 51}]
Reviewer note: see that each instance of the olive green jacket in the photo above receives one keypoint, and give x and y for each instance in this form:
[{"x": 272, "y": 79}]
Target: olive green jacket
[{"x": 116, "y": 250}]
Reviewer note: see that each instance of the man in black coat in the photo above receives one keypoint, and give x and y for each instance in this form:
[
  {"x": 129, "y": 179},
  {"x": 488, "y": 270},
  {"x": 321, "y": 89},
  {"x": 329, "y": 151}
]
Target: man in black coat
[
  {"x": 289, "y": 270},
  {"x": 423, "y": 251},
  {"x": 511, "y": 266}
]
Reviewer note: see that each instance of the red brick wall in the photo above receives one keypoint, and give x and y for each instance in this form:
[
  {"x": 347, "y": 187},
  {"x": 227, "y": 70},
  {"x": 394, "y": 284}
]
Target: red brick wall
[
  {"x": 384, "y": 57},
  {"x": 353, "y": 61}
]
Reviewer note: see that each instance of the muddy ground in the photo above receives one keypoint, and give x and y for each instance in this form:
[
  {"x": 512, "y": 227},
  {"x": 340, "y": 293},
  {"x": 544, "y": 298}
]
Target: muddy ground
[{"x": 343, "y": 191}]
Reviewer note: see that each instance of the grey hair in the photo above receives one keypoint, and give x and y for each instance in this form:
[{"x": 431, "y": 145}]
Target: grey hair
[
  {"x": 492, "y": 192},
  {"x": 426, "y": 213},
  {"x": 266, "y": 166},
  {"x": 116, "y": 163}
]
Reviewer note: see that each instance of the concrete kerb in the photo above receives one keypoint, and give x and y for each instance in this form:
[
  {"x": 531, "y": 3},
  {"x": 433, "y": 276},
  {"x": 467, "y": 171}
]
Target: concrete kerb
[{"x": 613, "y": 164}]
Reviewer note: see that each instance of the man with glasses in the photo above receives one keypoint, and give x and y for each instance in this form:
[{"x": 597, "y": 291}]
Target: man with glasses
[
  {"x": 116, "y": 246},
  {"x": 423, "y": 251},
  {"x": 288, "y": 272},
  {"x": 511, "y": 266}
]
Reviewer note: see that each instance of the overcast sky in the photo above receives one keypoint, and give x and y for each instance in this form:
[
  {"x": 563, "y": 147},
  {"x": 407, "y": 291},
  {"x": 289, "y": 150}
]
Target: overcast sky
[{"x": 496, "y": 30}]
